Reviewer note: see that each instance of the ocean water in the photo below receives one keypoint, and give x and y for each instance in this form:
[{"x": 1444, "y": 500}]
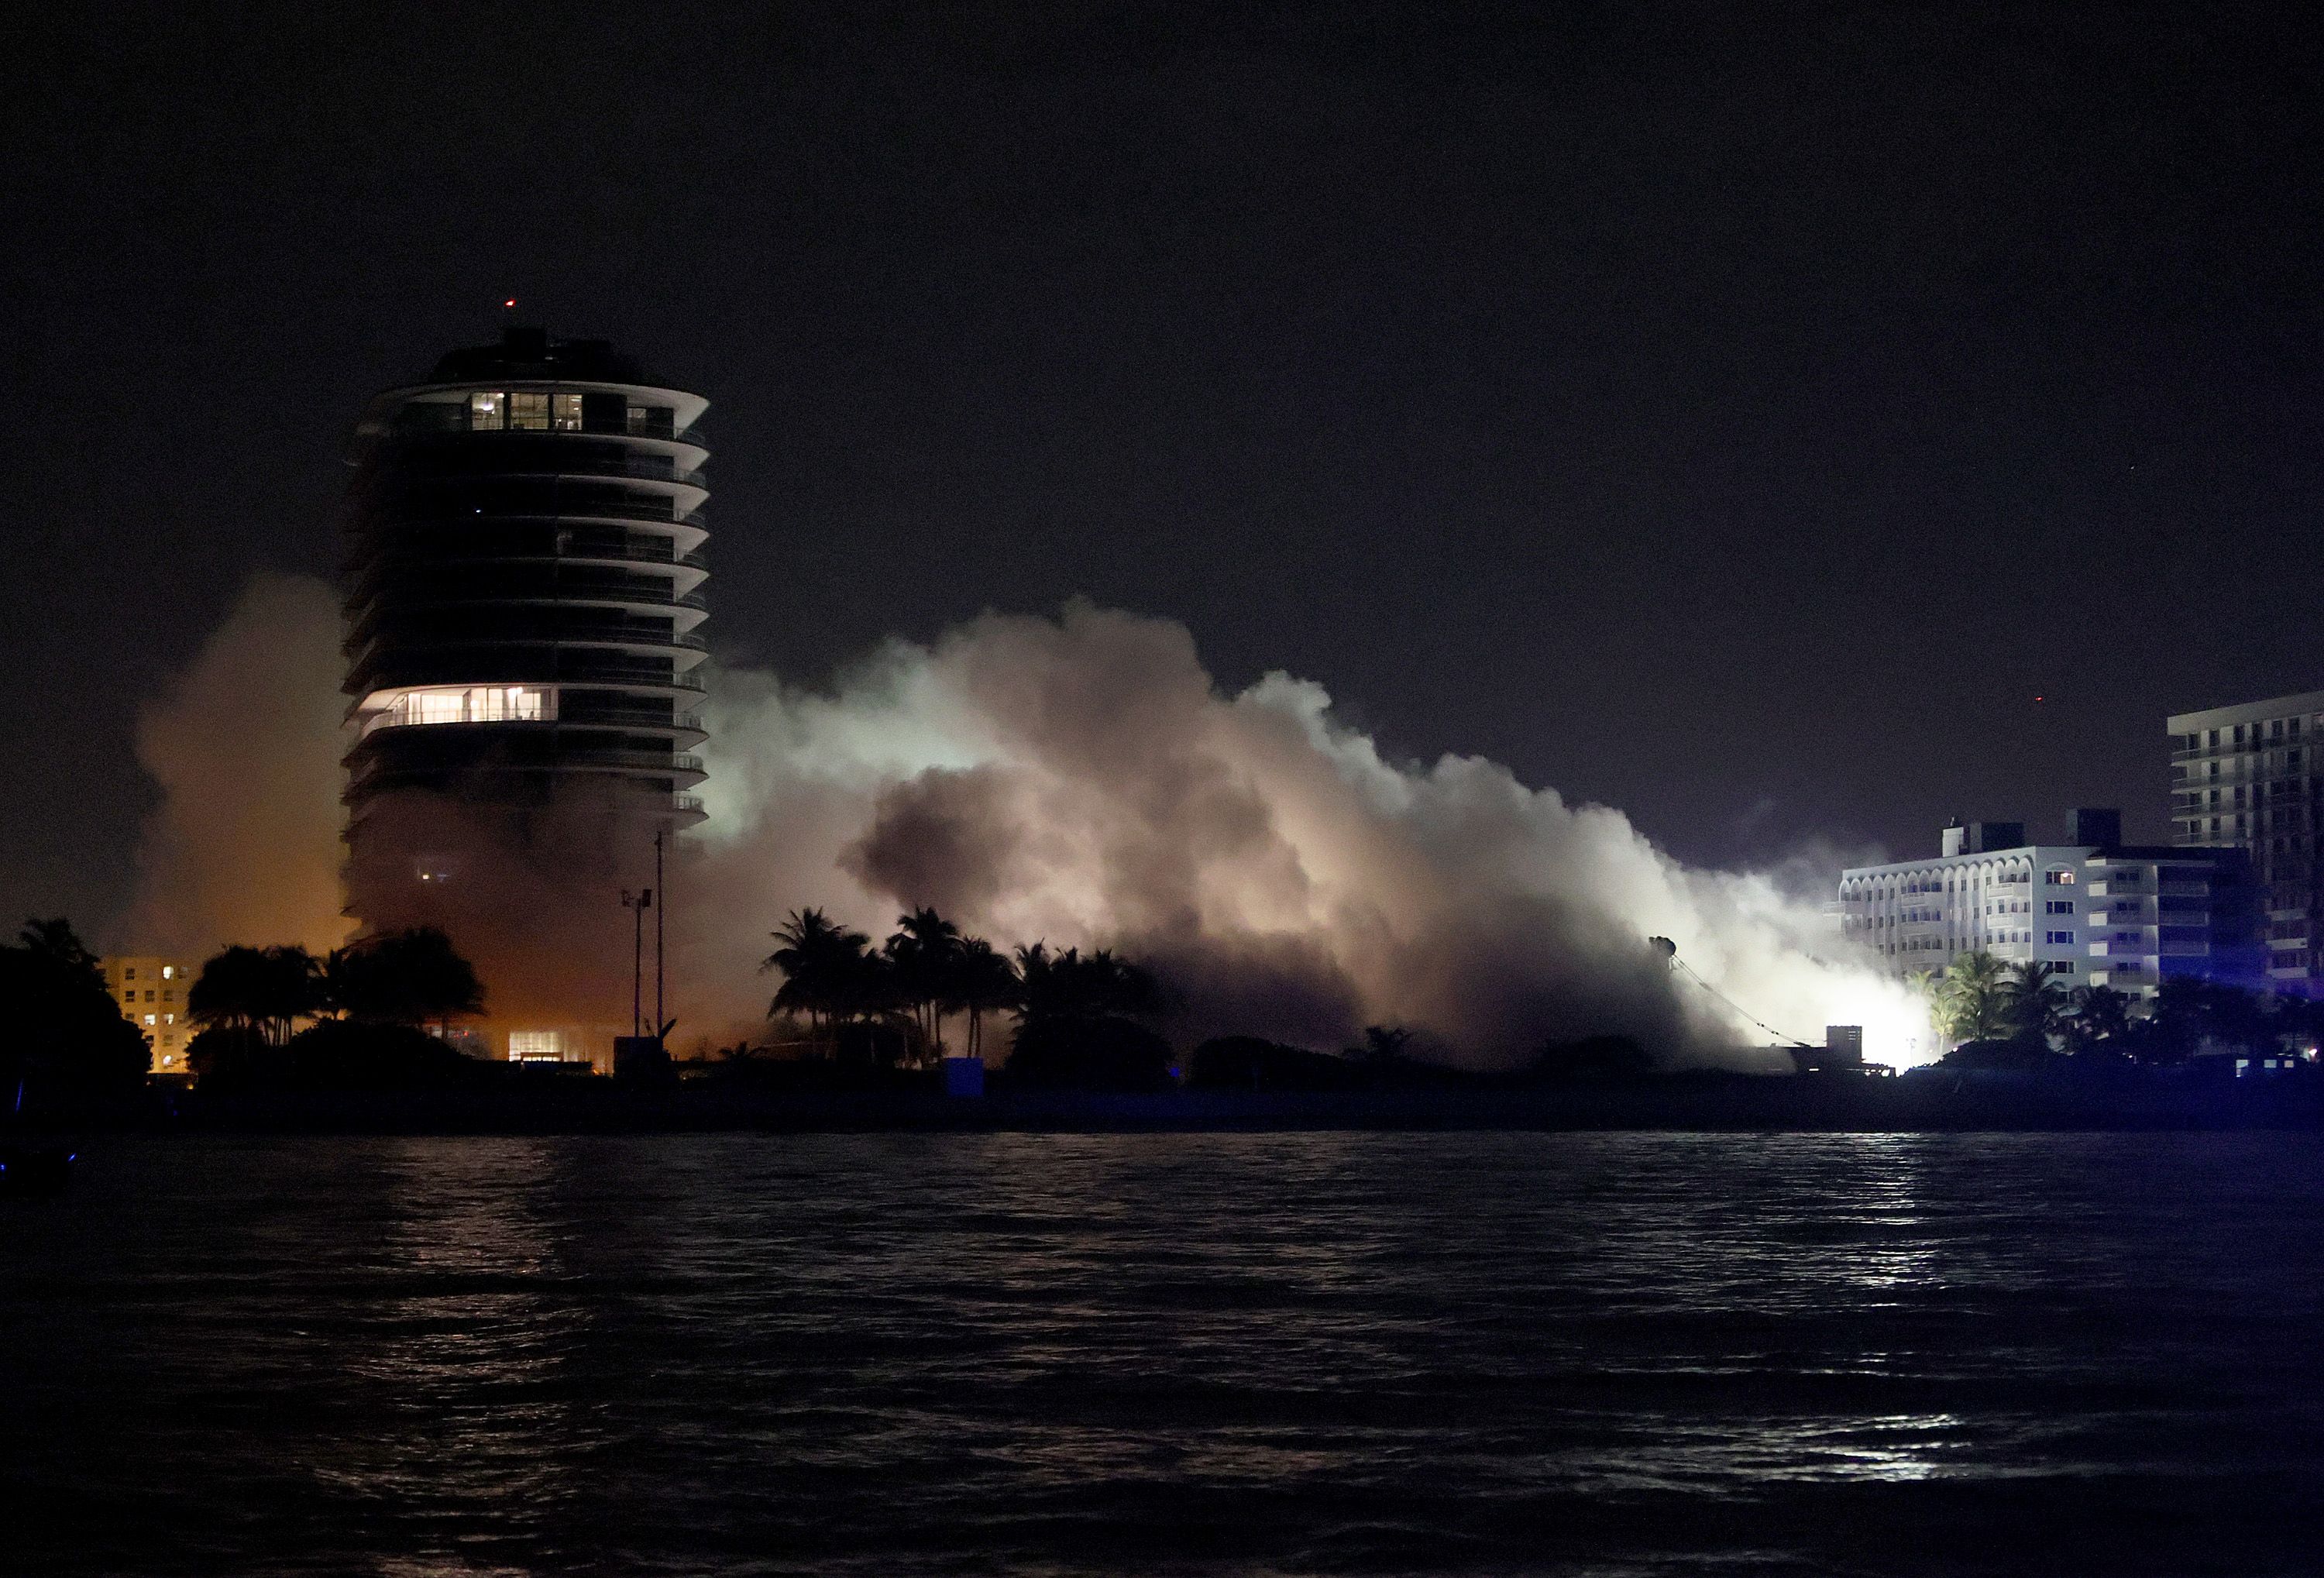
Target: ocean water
[{"x": 1606, "y": 1354}]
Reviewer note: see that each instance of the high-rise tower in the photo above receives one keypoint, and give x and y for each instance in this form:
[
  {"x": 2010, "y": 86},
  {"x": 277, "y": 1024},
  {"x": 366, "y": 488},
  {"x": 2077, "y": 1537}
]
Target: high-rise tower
[{"x": 524, "y": 585}]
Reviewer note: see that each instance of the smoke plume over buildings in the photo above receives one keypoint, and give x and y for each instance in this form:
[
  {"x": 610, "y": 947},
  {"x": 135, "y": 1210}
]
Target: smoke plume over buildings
[
  {"x": 245, "y": 745},
  {"x": 1078, "y": 779},
  {"x": 1081, "y": 779}
]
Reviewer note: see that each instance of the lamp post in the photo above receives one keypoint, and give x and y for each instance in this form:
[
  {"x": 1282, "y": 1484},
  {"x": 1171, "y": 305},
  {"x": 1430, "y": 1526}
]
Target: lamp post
[{"x": 637, "y": 904}]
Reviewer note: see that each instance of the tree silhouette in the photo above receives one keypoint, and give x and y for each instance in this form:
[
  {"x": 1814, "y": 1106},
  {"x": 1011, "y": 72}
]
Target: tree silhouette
[
  {"x": 1068, "y": 986},
  {"x": 2101, "y": 1014},
  {"x": 2032, "y": 1001},
  {"x": 983, "y": 982},
  {"x": 259, "y": 991},
  {"x": 411, "y": 978},
  {"x": 1974, "y": 999},
  {"x": 923, "y": 959},
  {"x": 825, "y": 974},
  {"x": 60, "y": 1030}
]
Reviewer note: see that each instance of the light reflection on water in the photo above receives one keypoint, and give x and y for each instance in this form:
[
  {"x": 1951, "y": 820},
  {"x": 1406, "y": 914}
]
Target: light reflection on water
[{"x": 1605, "y": 1353}]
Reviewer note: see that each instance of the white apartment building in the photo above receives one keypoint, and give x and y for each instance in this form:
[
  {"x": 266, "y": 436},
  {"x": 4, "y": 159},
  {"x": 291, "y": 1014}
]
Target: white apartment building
[{"x": 2098, "y": 912}]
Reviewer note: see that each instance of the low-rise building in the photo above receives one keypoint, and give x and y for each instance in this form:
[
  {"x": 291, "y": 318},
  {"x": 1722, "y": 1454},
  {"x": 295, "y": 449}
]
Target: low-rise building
[
  {"x": 2095, "y": 910},
  {"x": 151, "y": 991}
]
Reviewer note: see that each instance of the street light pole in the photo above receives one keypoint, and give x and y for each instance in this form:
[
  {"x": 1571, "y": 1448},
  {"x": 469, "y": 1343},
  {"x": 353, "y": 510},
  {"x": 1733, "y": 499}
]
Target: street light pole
[
  {"x": 637, "y": 904},
  {"x": 660, "y": 1018}
]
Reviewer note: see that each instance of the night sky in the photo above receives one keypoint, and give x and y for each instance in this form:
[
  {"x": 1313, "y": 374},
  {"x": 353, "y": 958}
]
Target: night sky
[{"x": 1738, "y": 414}]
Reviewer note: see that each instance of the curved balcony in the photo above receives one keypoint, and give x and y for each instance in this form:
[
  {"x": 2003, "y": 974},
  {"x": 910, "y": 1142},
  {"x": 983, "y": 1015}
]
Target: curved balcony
[
  {"x": 686, "y": 611},
  {"x": 660, "y": 509},
  {"x": 593, "y": 666},
  {"x": 687, "y": 571}
]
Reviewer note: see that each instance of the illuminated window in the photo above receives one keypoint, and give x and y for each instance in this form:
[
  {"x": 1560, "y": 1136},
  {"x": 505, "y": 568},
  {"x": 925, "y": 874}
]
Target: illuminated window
[
  {"x": 2058, "y": 877},
  {"x": 464, "y": 704},
  {"x": 536, "y": 1046},
  {"x": 487, "y": 412},
  {"x": 150, "y": 1020},
  {"x": 567, "y": 413},
  {"x": 169, "y": 971},
  {"x": 528, "y": 411}
]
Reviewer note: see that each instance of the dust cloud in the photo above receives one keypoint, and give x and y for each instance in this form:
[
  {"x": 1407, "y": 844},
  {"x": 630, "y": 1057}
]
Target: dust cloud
[
  {"x": 1079, "y": 779},
  {"x": 245, "y": 745}
]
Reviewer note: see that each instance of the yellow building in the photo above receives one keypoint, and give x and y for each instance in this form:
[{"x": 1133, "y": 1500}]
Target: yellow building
[{"x": 151, "y": 993}]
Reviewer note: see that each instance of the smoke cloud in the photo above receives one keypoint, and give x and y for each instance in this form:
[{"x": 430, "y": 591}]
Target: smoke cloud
[
  {"x": 245, "y": 745},
  {"x": 1080, "y": 781}
]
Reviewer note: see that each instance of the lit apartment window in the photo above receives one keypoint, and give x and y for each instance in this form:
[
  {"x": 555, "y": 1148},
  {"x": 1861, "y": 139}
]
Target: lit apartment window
[
  {"x": 528, "y": 411},
  {"x": 151, "y": 1019},
  {"x": 168, "y": 971},
  {"x": 464, "y": 704},
  {"x": 2058, "y": 877},
  {"x": 487, "y": 412},
  {"x": 567, "y": 413}
]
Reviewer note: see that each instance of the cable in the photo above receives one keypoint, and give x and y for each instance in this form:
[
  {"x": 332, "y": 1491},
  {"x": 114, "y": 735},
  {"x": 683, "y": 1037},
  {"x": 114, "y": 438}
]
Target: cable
[{"x": 1731, "y": 1004}]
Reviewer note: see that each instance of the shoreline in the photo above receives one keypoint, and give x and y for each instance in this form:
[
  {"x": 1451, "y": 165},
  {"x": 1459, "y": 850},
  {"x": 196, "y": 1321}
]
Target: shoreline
[{"x": 1947, "y": 1105}]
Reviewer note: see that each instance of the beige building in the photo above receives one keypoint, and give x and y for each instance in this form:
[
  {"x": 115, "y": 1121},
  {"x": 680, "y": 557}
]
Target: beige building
[{"x": 151, "y": 993}]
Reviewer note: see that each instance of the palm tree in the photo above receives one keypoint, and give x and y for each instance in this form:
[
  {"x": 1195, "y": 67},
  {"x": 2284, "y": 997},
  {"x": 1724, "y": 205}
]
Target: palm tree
[
  {"x": 2100, "y": 1014},
  {"x": 259, "y": 990},
  {"x": 983, "y": 982},
  {"x": 56, "y": 943},
  {"x": 824, "y": 976},
  {"x": 921, "y": 958},
  {"x": 2034, "y": 1001},
  {"x": 413, "y": 977},
  {"x": 1974, "y": 999},
  {"x": 1069, "y": 985}
]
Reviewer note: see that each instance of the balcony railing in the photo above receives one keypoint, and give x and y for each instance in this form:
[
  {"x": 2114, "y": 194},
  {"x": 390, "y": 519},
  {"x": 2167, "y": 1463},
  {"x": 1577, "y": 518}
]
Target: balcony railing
[
  {"x": 657, "y": 509},
  {"x": 543, "y": 463},
  {"x": 627, "y": 760},
  {"x": 618, "y": 675},
  {"x": 685, "y": 804}
]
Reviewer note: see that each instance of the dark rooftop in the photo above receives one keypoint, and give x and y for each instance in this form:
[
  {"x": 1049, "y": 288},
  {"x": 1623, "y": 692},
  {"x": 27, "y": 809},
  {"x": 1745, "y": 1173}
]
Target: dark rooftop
[{"x": 527, "y": 352}]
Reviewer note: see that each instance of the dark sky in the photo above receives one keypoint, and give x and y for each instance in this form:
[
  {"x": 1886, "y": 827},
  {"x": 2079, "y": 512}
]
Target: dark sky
[{"x": 1738, "y": 414}]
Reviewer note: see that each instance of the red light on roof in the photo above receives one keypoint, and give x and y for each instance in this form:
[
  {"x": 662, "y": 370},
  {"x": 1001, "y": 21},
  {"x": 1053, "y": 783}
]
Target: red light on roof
[{"x": 509, "y": 302}]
